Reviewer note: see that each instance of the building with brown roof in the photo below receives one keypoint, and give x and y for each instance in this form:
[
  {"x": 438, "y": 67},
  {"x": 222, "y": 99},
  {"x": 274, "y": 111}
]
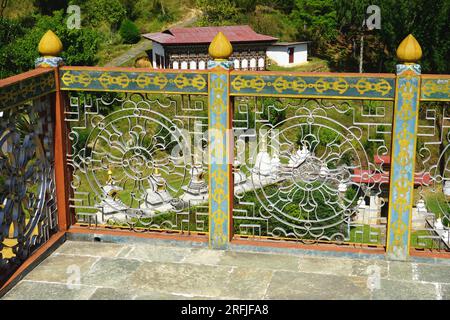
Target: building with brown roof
[{"x": 187, "y": 48}]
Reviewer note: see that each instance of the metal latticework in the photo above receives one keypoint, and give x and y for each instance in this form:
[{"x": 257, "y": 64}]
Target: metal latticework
[
  {"x": 27, "y": 191},
  {"x": 137, "y": 161},
  {"x": 431, "y": 207},
  {"x": 312, "y": 170}
]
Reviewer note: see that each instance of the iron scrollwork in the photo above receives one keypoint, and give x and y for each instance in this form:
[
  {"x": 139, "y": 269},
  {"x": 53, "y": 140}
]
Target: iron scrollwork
[
  {"x": 27, "y": 191},
  {"x": 314, "y": 170},
  {"x": 133, "y": 164}
]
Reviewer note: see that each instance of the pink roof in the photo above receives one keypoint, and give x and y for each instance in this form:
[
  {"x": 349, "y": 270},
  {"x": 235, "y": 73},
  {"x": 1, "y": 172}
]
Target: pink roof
[
  {"x": 368, "y": 176},
  {"x": 382, "y": 159},
  {"x": 200, "y": 35}
]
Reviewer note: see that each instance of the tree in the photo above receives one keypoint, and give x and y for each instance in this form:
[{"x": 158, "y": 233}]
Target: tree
[
  {"x": 427, "y": 21},
  {"x": 129, "y": 32},
  {"x": 218, "y": 12},
  {"x": 48, "y": 6},
  {"x": 98, "y": 12},
  {"x": 315, "y": 20},
  {"x": 18, "y": 55}
]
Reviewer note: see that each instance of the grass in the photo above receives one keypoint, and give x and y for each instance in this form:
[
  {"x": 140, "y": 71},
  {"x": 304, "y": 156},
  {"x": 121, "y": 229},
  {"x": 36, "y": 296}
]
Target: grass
[
  {"x": 314, "y": 64},
  {"x": 108, "y": 52},
  {"x": 420, "y": 240},
  {"x": 364, "y": 234}
]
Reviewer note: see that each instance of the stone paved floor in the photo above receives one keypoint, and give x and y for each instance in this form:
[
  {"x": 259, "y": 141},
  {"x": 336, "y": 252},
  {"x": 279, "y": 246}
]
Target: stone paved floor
[{"x": 147, "y": 271}]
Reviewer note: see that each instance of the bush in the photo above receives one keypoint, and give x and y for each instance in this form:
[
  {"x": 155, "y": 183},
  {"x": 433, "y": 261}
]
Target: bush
[{"x": 129, "y": 32}]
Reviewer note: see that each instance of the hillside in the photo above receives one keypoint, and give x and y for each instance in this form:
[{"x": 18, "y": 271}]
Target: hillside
[{"x": 333, "y": 26}]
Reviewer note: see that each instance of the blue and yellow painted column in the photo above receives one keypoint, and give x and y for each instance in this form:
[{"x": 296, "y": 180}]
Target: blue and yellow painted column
[
  {"x": 404, "y": 139},
  {"x": 219, "y": 142}
]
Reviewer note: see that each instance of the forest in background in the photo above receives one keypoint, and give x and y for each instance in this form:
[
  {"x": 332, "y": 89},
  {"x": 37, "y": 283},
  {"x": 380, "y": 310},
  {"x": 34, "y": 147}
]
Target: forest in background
[{"x": 333, "y": 26}]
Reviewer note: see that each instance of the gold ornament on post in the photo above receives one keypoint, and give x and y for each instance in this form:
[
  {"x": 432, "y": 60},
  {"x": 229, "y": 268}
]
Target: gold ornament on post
[
  {"x": 50, "y": 47},
  {"x": 409, "y": 50},
  {"x": 220, "y": 48}
]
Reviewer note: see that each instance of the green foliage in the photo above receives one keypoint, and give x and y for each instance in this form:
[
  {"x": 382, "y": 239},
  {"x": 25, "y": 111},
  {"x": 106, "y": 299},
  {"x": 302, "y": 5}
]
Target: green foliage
[
  {"x": 317, "y": 18},
  {"x": 129, "y": 32},
  {"x": 426, "y": 20},
  {"x": 218, "y": 12},
  {"x": 99, "y": 12},
  {"x": 48, "y": 6},
  {"x": 19, "y": 54},
  {"x": 273, "y": 111},
  {"x": 322, "y": 214},
  {"x": 267, "y": 20}
]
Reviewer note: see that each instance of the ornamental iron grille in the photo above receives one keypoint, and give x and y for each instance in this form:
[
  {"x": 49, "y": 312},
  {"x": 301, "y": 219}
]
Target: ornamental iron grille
[
  {"x": 138, "y": 161},
  {"x": 431, "y": 207},
  {"x": 27, "y": 191},
  {"x": 312, "y": 170}
]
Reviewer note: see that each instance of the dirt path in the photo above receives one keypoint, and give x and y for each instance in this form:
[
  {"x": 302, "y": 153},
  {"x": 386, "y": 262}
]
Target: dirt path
[{"x": 144, "y": 45}]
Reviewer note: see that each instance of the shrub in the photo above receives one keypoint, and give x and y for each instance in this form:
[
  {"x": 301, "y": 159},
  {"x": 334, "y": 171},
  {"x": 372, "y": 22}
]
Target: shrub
[{"x": 129, "y": 32}]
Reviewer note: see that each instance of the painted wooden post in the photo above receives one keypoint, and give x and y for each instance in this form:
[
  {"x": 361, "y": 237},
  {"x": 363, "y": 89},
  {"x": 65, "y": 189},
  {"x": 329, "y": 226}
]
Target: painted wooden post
[
  {"x": 404, "y": 139},
  {"x": 219, "y": 141},
  {"x": 50, "y": 47}
]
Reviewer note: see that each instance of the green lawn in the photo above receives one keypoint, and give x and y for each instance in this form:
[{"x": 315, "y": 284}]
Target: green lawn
[
  {"x": 365, "y": 234},
  {"x": 420, "y": 240},
  {"x": 313, "y": 65}
]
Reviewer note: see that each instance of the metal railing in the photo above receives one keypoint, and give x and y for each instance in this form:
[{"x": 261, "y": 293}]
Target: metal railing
[{"x": 228, "y": 155}]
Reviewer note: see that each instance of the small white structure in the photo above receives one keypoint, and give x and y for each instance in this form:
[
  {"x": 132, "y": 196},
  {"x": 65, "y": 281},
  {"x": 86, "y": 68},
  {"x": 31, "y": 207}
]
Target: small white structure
[
  {"x": 368, "y": 214},
  {"x": 297, "y": 158},
  {"x": 288, "y": 54}
]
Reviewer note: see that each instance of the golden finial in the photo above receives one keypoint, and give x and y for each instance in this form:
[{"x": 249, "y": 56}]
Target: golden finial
[
  {"x": 143, "y": 62},
  {"x": 409, "y": 50},
  {"x": 50, "y": 45},
  {"x": 220, "y": 48}
]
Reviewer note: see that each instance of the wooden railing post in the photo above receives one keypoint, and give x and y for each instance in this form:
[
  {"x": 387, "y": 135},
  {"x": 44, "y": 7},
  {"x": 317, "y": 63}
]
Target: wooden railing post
[
  {"x": 220, "y": 141},
  {"x": 50, "y": 47},
  {"x": 404, "y": 139}
]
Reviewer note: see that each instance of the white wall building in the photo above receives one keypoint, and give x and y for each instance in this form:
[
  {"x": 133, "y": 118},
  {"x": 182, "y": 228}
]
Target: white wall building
[
  {"x": 288, "y": 54},
  {"x": 187, "y": 48}
]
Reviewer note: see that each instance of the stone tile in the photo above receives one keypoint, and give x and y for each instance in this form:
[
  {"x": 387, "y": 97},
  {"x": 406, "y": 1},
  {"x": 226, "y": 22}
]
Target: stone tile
[
  {"x": 196, "y": 280},
  {"x": 340, "y": 267},
  {"x": 366, "y": 268},
  {"x": 299, "y": 285},
  {"x": 157, "y": 253},
  {"x": 30, "y": 290},
  {"x": 445, "y": 291},
  {"x": 400, "y": 271},
  {"x": 433, "y": 273},
  {"x": 61, "y": 268},
  {"x": 260, "y": 260},
  {"x": 111, "y": 294},
  {"x": 404, "y": 290},
  {"x": 168, "y": 296},
  {"x": 247, "y": 283},
  {"x": 204, "y": 256},
  {"x": 110, "y": 272},
  {"x": 96, "y": 249}
]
